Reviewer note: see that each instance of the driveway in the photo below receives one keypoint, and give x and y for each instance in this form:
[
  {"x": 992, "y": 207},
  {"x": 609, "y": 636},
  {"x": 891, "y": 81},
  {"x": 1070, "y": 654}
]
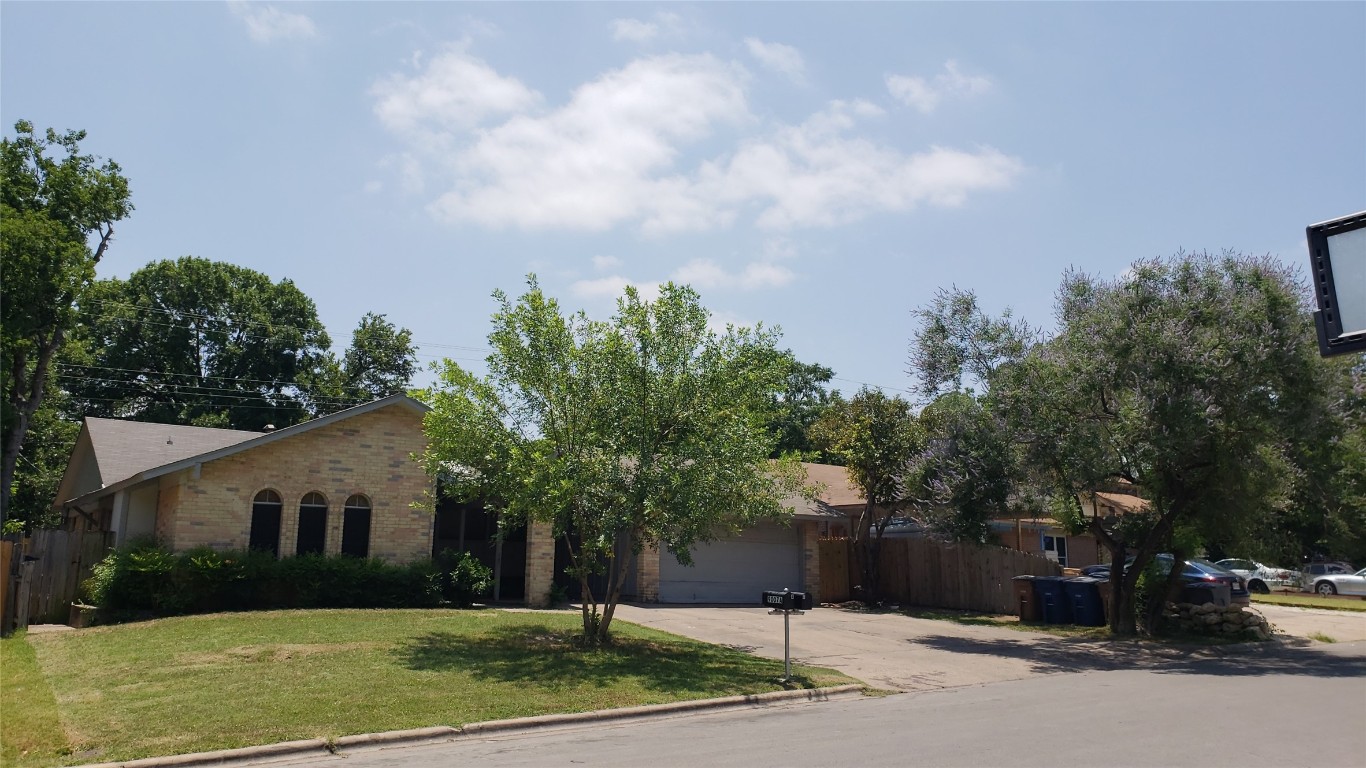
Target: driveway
[{"x": 899, "y": 653}]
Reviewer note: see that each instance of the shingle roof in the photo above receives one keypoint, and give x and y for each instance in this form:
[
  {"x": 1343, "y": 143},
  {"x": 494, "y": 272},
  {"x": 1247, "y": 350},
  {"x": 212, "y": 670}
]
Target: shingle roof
[
  {"x": 838, "y": 490},
  {"x": 125, "y": 448}
]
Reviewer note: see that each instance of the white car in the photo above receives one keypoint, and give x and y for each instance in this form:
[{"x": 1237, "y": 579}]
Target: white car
[
  {"x": 1261, "y": 578},
  {"x": 1341, "y": 583}
]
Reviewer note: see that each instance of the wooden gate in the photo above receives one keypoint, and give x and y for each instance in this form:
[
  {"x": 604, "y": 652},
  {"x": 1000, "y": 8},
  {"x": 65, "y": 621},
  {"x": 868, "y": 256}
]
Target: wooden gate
[{"x": 41, "y": 574}]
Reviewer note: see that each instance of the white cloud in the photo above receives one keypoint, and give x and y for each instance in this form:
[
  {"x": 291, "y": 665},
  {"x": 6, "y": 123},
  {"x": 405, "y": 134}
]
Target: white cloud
[
  {"x": 612, "y": 287},
  {"x": 706, "y": 274},
  {"x": 456, "y": 91},
  {"x": 604, "y": 263},
  {"x": 603, "y": 158},
  {"x": 266, "y": 24},
  {"x": 783, "y": 59},
  {"x": 639, "y": 31},
  {"x": 617, "y": 153},
  {"x": 925, "y": 95},
  {"x": 635, "y": 30}
]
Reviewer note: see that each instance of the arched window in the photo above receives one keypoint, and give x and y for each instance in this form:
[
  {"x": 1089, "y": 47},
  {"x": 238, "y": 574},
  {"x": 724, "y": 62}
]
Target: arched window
[
  {"x": 312, "y": 524},
  {"x": 265, "y": 522},
  {"x": 356, "y": 527}
]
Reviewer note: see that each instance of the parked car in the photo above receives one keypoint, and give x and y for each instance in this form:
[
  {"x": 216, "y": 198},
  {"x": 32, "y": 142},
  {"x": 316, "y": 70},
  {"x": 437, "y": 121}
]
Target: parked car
[
  {"x": 1341, "y": 583},
  {"x": 1203, "y": 571},
  {"x": 1261, "y": 578},
  {"x": 1312, "y": 572},
  {"x": 1195, "y": 571}
]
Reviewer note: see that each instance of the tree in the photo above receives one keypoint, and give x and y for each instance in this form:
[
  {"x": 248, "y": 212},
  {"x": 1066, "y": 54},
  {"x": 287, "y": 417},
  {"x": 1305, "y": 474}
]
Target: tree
[
  {"x": 194, "y": 341},
  {"x": 877, "y": 439},
  {"x": 1184, "y": 379},
  {"x": 380, "y": 362},
  {"x": 51, "y": 208},
  {"x": 969, "y": 469},
  {"x": 647, "y": 430},
  {"x": 804, "y": 397}
]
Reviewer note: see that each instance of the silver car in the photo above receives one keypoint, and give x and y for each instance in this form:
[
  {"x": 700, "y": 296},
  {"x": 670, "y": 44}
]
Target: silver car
[
  {"x": 1312, "y": 572},
  {"x": 1261, "y": 578},
  {"x": 1341, "y": 583}
]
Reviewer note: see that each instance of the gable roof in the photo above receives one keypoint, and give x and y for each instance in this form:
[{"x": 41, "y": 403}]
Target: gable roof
[
  {"x": 125, "y": 448},
  {"x": 838, "y": 491},
  {"x": 134, "y": 437}
]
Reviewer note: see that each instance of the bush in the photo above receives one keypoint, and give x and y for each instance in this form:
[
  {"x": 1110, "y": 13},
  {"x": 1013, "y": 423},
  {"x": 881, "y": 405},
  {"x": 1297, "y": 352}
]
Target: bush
[
  {"x": 463, "y": 578},
  {"x": 144, "y": 580}
]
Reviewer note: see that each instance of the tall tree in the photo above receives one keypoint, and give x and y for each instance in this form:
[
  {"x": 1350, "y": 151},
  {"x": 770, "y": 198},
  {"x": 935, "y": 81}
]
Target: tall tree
[
  {"x": 805, "y": 396},
  {"x": 881, "y": 446},
  {"x": 1185, "y": 378},
  {"x": 194, "y": 341},
  {"x": 54, "y": 203},
  {"x": 647, "y": 430},
  {"x": 380, "y": 362}
]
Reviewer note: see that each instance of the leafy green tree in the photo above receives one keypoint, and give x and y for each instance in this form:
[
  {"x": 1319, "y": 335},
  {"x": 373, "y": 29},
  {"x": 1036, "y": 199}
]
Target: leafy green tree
[
  {"x": 380, "y": 362},
  {"x": 880, "y": 444},
  {"x": 647, "y": 430},
  {"x": 1185, "y": 378},
  {"x": 194, "y": 341},
  {"x": 970, "y": 468},
  {"x": 54, "y": 202},
  {"x": 805, "y": 395}
]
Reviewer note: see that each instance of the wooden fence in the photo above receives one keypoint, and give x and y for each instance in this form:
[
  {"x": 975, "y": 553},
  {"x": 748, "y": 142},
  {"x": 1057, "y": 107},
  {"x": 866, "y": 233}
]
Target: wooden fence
[
  {"x": 41, "y": 574},
  {"x": 933, "y": 574}
]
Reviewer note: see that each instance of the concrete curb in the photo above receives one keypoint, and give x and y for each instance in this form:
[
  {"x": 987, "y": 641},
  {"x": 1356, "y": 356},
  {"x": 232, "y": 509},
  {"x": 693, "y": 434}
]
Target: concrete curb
[{"x": 438, "y": 734}]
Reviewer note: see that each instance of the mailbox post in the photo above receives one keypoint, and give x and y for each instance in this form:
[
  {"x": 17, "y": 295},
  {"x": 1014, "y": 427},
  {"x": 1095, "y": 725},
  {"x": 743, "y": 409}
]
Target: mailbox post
[{"x": 787, "y": 603}]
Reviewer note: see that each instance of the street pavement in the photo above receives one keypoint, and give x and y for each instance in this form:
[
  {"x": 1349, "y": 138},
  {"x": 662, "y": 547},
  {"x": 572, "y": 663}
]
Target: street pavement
[{"x": 1288, "y": 706}]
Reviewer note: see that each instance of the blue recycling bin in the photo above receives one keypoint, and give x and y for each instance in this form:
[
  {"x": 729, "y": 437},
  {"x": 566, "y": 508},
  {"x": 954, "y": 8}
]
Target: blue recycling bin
[
  {"x": 1053, "y": 605},
  {"x": 1083, "y": 597}
]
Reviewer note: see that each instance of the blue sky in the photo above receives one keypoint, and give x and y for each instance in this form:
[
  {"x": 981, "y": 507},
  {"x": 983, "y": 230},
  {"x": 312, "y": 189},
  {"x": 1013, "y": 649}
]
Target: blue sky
[{"x": 821, "y": 167}]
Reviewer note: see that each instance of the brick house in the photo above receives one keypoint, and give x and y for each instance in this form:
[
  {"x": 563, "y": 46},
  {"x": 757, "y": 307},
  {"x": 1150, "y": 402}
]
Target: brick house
[
  {"x": 343, "y": 483},
  {"x": 1044, "y": 537}
]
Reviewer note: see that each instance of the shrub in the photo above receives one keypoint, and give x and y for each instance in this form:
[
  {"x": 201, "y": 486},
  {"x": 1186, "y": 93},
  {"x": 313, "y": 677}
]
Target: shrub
[
  {"x": 463, "y": 578},
  {"x": 145, "y": 580}
]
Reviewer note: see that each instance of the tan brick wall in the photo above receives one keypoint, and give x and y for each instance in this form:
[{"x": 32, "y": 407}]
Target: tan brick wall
[
  {"x": 540, "y": 563},
  {"x": 647, "y": 575},
  {"x": 368, "y": 454},
  {"x": 168, "y": 506}
]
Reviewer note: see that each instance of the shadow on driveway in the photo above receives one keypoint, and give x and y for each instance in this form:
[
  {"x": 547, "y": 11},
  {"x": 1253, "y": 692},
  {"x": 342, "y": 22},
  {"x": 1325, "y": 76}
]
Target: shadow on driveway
[{"x": 1241, "y": 660}]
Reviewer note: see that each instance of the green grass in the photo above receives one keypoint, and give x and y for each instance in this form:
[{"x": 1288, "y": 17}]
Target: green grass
[
  {"x": 30, "y": 730},
  {"x": 220, "y": 681},
  {"x": 1322, "y": 638},
  {"x": 1306, "y": 600}
]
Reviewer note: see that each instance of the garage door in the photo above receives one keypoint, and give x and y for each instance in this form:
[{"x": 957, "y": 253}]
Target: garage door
[{"x": 734, "y": 570}]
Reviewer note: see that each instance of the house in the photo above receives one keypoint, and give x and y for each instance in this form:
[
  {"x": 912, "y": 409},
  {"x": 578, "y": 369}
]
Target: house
[
  {"x": 343, "y": 483},
  {"x": 348, "y": 483},
  {"x": 1043, "y": 536}
]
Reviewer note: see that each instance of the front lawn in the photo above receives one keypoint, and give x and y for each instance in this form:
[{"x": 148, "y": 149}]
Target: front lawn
[{"x": 220, "y": 681}]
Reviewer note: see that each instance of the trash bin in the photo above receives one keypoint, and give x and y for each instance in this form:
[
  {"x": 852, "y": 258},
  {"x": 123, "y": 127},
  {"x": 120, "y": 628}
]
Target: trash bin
[
  {"x": 1202, "y": 592},
  {"x": 1053, "y": 607},
  {"x": 1083, "y": 597},
  {"x": 1025, "y": 601}
]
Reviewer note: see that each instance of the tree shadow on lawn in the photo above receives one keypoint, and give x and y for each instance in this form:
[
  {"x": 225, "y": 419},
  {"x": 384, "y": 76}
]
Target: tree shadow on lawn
[
  {"x": 541, "y": 656},
  {"x": 1248, "y": 659}
]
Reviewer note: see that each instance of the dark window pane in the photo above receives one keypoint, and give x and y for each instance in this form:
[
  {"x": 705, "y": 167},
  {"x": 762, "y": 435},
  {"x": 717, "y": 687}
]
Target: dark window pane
[
  {"x": 312, "y": 529},
  {"x": 356, "y": 532},
  {"x": 265, "y": 527}
]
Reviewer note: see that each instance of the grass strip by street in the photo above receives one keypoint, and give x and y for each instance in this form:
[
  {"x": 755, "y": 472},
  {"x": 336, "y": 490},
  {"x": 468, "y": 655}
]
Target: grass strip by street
[
  {"x": 30, "y": 729},
  {"x": 1306, "y": 600},
  {"x": 222, "y": 681}
]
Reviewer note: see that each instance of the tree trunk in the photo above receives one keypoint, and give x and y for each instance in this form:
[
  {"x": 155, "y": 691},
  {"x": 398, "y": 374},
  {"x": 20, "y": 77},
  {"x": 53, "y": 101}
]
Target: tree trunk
[
  {"x": 870, "y": 553},
  {"x": 25, "y": 398}
]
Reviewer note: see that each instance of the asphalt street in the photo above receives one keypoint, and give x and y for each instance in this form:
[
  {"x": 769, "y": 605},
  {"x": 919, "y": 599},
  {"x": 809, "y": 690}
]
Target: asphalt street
[{"x": 1283, "y": 706}]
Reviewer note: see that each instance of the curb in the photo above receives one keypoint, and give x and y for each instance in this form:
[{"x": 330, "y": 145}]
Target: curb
[{"x": 438, "y": 734}]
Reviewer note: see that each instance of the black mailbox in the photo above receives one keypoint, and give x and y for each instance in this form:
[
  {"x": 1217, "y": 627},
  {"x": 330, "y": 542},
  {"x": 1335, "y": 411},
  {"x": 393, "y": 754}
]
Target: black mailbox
[{"x": 787, "y": 601}]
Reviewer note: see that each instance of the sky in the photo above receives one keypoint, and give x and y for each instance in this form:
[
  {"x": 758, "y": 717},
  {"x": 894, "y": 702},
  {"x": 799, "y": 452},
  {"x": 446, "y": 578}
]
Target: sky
[{"x": 823, "y": 168}]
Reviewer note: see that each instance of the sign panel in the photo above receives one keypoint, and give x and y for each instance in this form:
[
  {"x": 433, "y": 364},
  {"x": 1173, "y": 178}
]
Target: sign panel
[{"x": 1337, "y": 259}]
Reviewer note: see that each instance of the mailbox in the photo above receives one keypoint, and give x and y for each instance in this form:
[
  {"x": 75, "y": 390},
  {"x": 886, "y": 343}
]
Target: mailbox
[{"x": 787, "y": 601}]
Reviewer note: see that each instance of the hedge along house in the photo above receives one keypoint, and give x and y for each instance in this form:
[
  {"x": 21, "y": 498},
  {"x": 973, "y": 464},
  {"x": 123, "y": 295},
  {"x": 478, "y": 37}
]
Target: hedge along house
[{"x": 344, "y": 483}]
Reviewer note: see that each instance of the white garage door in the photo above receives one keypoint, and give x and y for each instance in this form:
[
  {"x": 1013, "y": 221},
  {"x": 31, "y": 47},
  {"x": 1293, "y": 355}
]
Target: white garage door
[{"x": 734, "y": 570}]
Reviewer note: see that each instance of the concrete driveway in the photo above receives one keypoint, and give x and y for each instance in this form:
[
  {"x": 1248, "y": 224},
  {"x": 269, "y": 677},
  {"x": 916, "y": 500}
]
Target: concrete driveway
[{"x": 900, "y": 653}]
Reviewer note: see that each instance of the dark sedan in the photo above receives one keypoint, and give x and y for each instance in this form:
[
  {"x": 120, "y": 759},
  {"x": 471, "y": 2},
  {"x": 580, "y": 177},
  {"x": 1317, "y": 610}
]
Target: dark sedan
[{"x": 1196, "y": 571}]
